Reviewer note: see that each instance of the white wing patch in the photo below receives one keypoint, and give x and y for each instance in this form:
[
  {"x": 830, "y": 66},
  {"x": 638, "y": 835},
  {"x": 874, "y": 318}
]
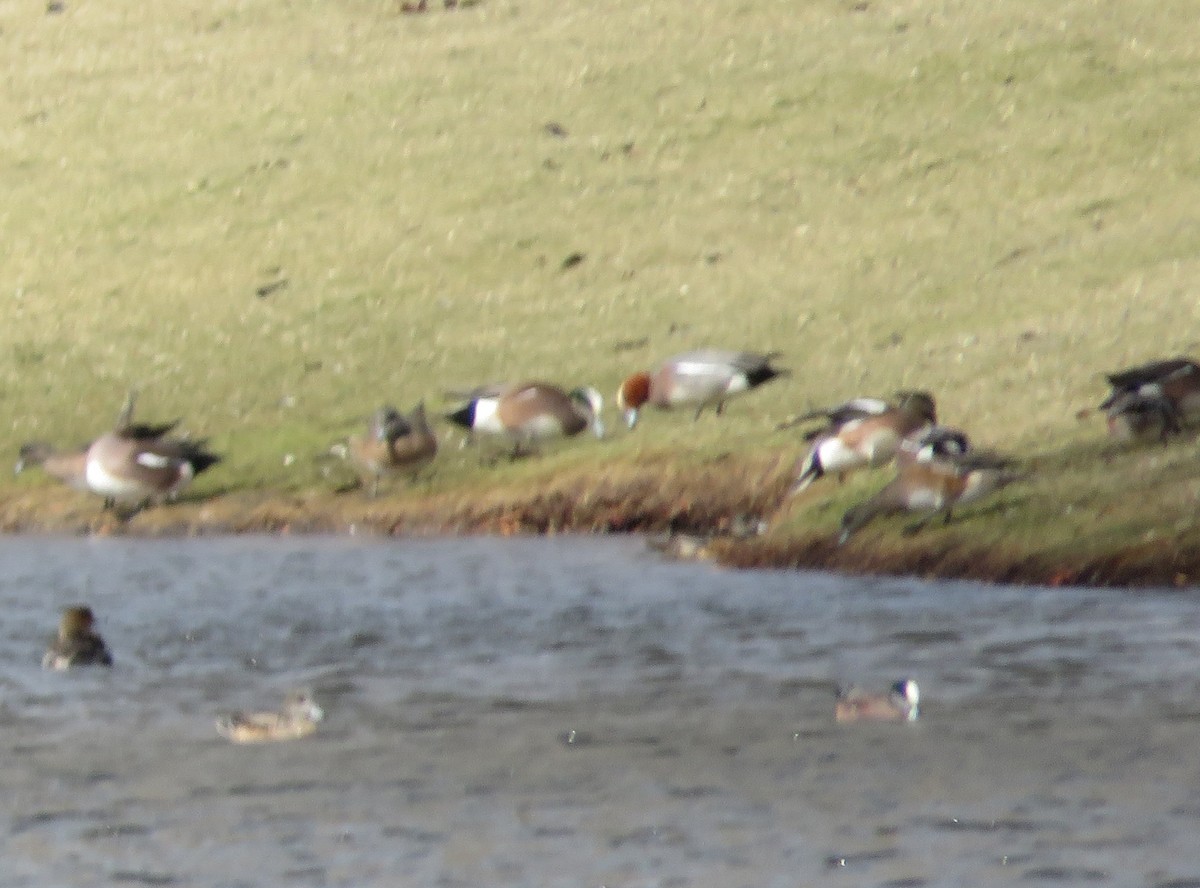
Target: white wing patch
[
  {"x": 873, "y": 406},
  {"x": 153, "y": 460},
  {"x": 487, "y": 417},
  {"x": 696, "y": 368}
]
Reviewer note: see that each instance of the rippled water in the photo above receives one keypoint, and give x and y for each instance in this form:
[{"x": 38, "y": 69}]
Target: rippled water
[{"x": 576, "y": 712}]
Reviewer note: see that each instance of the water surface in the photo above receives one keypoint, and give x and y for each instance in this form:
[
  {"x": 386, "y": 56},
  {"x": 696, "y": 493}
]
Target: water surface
[{"x": 577, "y": 712}]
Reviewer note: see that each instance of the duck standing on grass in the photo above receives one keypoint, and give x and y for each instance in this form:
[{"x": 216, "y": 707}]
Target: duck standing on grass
[
  {"x": 393, "y": 443},
  {"x": 705, "y": 378},
  {"x": 900, "y": 703},
  {"x": 139, "y": 465},
  {"x": 933, "y": 483},
  {"x": 488, "y": 391},
  {"x": 1156, "y": 398},
  {"x": 298, "y": 718},
  {"x": 133, "y": 465},
  {"x": 862, "y": 433},
  {"x": 77, "y": 642},
  {"x": 532, "y": 412}
]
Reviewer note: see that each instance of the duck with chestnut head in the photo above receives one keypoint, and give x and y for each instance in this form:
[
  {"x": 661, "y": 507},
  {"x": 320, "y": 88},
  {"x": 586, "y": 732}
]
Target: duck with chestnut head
[{"x": 704, "y": 378}]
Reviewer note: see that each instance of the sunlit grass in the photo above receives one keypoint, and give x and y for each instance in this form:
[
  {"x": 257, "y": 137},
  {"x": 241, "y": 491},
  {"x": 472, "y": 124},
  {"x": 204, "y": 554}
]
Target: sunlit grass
[{"x": 996, "y": 202}]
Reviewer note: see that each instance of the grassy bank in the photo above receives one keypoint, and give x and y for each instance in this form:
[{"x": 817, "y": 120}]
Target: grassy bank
[{"x": 271, "y": 217}]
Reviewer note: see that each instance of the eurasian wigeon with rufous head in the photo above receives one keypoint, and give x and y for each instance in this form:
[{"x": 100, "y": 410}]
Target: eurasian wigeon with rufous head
[{"x": 705, "y": 378}]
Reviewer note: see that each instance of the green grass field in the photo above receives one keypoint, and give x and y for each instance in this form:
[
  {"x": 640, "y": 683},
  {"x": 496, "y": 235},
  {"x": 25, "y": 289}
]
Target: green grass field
[{"x": 992, "y": 201}]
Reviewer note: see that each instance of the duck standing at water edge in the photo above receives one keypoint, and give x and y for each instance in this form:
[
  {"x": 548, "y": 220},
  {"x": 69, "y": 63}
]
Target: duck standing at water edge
[
  {"x": 133, "y": 465},
  {"x": 705, "y": 378},
  {"x": 77, "y": 642},
  {"x": 862, "y": 433},
  {"x": 138, "y": 466},
  {"x": 933, "y": 483}
]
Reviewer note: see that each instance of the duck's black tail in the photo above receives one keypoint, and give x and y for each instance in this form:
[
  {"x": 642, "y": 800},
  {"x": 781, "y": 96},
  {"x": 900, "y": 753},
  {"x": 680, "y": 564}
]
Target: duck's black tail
[
  {"x": 464, "y": 416},
  {"x": 810, "y": 471}
]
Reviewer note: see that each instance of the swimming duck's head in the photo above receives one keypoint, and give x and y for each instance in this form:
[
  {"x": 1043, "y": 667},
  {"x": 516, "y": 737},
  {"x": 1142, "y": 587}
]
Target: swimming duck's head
[
  {"x": 76, "y": 620},
  {"x": 908, "y": 695}
]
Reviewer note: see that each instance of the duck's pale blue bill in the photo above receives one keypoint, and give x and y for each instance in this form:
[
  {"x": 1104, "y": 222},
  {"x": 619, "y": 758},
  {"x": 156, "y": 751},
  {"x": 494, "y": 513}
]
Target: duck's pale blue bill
[{"x": 631, "y": 418}]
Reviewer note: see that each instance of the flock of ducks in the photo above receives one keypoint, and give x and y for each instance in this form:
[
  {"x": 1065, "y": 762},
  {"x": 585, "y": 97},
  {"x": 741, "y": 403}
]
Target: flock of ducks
[
  {"x": 78, "y": 644},
  {"x": 937, "y": 467}
]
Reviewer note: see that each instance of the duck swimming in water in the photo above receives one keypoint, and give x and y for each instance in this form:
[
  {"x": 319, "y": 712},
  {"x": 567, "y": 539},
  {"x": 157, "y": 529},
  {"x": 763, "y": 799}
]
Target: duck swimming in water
[
  {"x": 297, "y": 719},
  {"x": 898, "y": 704},
  {"x": 77, "y": 642}
]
